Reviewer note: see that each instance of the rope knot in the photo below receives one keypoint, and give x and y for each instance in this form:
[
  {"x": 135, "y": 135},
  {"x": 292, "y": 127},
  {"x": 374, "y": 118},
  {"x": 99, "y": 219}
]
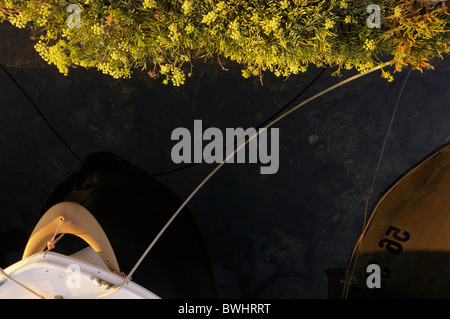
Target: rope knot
[{"x": 51, "y": 244}]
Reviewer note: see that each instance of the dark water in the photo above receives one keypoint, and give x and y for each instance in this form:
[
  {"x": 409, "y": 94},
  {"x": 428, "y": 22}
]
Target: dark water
[{"x": 267, "y": 236}]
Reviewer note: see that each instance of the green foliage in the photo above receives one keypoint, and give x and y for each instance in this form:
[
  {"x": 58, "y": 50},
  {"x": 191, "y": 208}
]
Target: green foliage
[{"x": 283, "y": 37}]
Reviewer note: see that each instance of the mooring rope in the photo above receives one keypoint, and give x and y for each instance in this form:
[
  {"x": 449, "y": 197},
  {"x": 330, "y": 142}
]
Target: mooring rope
[
  {"x": 369, "y": 194},
  {"x": 8, "y": 277},
  {"x": 50, "y": 245}
]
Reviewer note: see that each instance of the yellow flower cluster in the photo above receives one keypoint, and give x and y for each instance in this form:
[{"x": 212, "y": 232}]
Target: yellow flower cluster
[
  {"x": 187, "y": 7},
  {"x": 189, "y": 28},
  {"x": 246, "y": 73},
  {"x": 54, "y": 55},
  {"x": 329, "y": 24},
  {"x": 369, "y": 45},
  {"x": 149, "y": 4},
  {"x": 209, "y": 18},
  {"x": 173, "y": 73},
  {"x": 284, "y": 4},
  {"x": 174, "y": 34},
  {"x": 235, "y": 33},
  {"x": 42, "y": 16},
  {"x": 124, "y": 46},
  {"x": 41, "y": 48},
  {"x": 178, "y": 76},
  {"x": 165, "y": 68},
  {"x": 97, "y": 29},
  {"x": 9, "y": 4},
  {"x": 115, "y": 55},
  {"x": 272, "y": 25},
  {"x": 397, "y": 12},
  {"x": 19, "y": 20},
  {"x": 83, "y": 62},
  {"x": 68, "y": 32},
  {"x": 387, "y": 75},
  {"x": 221, "y": 6},
  {"x": 114, "y": 70},
  {"x": 255, "y": 17},
  {"x": 58, "y": 57},
  {"x": 364, "y": 66}
]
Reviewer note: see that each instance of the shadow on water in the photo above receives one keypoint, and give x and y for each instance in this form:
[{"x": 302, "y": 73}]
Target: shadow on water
[
  {"x": 132, "y": 207},
  {"x": 11, "y": 241}
]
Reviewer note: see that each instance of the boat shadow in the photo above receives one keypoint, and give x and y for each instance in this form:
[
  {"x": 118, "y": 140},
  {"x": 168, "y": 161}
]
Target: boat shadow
[{"x": 132, "y": 207}]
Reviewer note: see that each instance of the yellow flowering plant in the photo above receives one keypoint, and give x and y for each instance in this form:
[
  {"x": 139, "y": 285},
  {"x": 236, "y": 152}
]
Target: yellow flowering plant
[{"x": 165, "y": 37}]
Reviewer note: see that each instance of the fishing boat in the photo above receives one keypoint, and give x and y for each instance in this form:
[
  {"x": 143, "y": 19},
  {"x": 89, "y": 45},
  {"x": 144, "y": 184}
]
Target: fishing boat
[
  {"x": 407, "y": 237},
  {"x": 108, "y": 202},
  {"x": 89, "y": 273}
]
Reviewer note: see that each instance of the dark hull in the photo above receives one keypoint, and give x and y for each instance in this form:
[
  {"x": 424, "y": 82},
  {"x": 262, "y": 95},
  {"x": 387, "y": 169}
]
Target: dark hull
[{"x": 408, "y": 236}]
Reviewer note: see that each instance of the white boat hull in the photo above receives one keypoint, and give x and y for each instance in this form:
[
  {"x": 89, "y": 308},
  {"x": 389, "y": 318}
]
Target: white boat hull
[{"x": 52, "y": 275}]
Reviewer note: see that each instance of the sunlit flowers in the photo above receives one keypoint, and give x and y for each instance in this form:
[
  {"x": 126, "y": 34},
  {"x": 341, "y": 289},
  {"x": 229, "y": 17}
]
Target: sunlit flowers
[
  {"x": 329, "y": 24},
  {"x": 343, "y": 4},
  {"x": 209, "y": 18},
  {"x": 369, "y": 45},
  {"x": 187, "y": 7},
  {"x": 149, "y": 4},
  {"x": 281, "y": 37}
]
